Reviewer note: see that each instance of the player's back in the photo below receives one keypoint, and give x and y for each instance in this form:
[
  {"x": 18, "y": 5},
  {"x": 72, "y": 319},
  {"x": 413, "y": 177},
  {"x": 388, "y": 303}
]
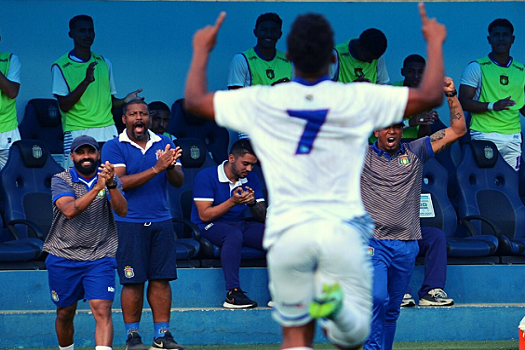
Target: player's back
[{"x": 311, "y": 141}]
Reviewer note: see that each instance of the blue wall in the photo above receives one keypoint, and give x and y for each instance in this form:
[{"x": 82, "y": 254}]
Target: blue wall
[{"x": 149, "y": 42}]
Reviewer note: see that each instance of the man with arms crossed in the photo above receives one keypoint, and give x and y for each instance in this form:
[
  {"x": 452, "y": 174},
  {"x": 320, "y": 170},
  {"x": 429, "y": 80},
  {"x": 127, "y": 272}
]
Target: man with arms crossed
[
  {"x": 317, "y": 228},
  {"x": 82, "y": 241}
]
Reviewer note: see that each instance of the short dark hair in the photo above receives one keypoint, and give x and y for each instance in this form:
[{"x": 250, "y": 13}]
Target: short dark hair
[
  {"x": 242, "y": 147},
  {"x": 158, "y": 106},
  {"x": 374, "y": 41},
  {"x": 73, "y": 21},
  {"x": 501, "y": 22},
  {"x": 414, "y": 58},
  {"x": 136, "y": 101},
  {"x": 310, "y": 43},
  {"x": 270, "y": 16}
]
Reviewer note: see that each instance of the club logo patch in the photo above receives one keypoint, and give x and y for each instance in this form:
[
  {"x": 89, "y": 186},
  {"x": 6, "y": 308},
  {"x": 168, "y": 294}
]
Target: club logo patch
[
  {"x": 370, "y": 251},
  {"x": 36, "y": 151},
  {"x": 159, "y": 153},
  {"x": 358, "y": 72},
  {"x": 195, "y": 152},
  {"x": 54, "y": 296},
  {"x": 128, "y": 272},
  {"x": 101, "y": 193},
  {"x": 270, "y": 74},
  {"x": 489, "y": 152},
  {"x": 404, "y": 160},
  {"x": 504, "y": 80}
]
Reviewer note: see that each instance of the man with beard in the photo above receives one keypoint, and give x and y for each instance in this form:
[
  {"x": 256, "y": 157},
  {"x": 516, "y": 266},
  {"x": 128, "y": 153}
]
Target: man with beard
[
  {"x": 84, "y": 87},
  {"x": 390, "y": 190},
  {"x": 82, "y": 241},
  {"x": 492, "y": 90},
  {"x": 220, "y": 198},
  {"x": 146, "y": 163}
]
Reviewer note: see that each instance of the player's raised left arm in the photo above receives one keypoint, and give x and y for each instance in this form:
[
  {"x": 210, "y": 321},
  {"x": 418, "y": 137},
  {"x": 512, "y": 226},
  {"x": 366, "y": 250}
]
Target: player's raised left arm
[
  {"x": 197, "y": 98},
  {"x": 443, "y": 138}
]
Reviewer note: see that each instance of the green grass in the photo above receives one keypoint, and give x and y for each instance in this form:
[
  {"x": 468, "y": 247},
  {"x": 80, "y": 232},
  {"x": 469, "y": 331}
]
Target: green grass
[{"x": 460, "y": 345}]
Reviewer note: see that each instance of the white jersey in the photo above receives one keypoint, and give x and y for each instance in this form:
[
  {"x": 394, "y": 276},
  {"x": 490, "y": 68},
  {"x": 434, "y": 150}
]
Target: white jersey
[{"x": 311, "y": 140}]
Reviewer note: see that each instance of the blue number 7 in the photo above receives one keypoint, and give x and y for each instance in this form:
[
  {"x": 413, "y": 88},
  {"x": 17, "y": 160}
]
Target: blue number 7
[{"x": 314, "y": 121}]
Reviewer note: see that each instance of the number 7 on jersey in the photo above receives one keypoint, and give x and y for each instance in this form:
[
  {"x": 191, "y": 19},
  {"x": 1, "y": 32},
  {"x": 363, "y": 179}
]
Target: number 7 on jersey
[{"x": 314, "y": 121}]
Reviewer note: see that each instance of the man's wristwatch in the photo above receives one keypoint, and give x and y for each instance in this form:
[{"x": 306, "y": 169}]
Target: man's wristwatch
[
  {"x": 451, "y": 94},
  {"x": 111, "y": 187},
  {"x": 252, "y": 205}
]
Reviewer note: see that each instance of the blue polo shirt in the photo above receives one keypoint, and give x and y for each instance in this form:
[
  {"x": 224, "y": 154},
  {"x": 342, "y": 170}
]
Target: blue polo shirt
[
  {"x": 212, "y": 184},
  {"x": 146, "y": 203}
]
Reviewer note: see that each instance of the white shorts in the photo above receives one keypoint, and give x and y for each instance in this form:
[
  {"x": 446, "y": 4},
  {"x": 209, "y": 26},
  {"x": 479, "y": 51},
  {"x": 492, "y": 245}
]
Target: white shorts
[
  {"x": 316, "y": 252},
  {"x": 508, "y": 145}
]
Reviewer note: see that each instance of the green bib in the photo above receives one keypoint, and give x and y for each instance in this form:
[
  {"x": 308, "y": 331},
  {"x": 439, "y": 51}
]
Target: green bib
[
  {"x": 93, "y": 110},
  {"x": 498, "y": 83},
  {"x": 267, "y": 72},
  {"x": 351, "y": 68},
  {"x": 8, "y": 119}
]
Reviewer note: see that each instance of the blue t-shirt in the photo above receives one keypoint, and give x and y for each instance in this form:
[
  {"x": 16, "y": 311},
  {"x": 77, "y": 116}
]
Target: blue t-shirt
[
  {"x": 212, "y": 184},
  {"x": 147, "y": 203}
]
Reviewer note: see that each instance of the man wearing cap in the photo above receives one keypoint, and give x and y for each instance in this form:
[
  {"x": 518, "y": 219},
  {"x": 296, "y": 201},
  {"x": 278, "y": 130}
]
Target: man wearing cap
[
  {"x": 361, "y": 59},
  {"x": 391, "y": 189},
  {"x": 82, "y": 241}
]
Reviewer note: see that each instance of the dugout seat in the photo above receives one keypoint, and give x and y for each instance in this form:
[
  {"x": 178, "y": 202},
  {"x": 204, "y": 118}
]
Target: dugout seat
[
  {"x": 195, "y": 158},
  {"x": 463, "y": 245},
  {"x": 186, "y": 125},
  {"x": 42, "y": 121},
  {"x": 19, "y": 253},
  {"x": 488, "y": 194},
  {"x": 26, "y": 189}
]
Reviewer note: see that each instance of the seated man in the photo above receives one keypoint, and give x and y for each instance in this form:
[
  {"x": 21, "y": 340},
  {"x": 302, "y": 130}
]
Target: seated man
[{"x": 220, "y": 197}]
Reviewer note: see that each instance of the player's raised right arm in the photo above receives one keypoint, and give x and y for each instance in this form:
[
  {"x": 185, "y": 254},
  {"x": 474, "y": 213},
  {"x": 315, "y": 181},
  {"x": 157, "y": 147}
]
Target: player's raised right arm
[
  {"x": 197, "y": 98},
  {"x": 430, "y": 92}
]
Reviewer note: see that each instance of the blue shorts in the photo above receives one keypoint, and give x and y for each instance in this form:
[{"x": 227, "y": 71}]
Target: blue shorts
[
  {"x": 71, "y": 281},
  {"x": 146, "y": 251}
]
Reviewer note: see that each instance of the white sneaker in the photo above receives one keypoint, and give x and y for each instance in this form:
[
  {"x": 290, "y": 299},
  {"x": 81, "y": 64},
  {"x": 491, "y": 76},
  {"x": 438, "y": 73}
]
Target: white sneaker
[
  {"x": 436, "y": 297},
  {"x": 408, "y": 301}
]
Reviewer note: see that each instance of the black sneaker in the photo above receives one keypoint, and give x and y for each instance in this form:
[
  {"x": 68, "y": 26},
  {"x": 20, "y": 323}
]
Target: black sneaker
[
  {"x": 237, "y": 299},
  {"x": 436, "y": 297},
  {"x": 165, "y": 342},
  {"x": 134, "y": 342}
]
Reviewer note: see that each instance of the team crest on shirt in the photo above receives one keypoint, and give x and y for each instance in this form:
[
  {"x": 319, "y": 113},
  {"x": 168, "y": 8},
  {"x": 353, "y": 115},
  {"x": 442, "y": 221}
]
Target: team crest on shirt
[
  {"x": 504, "y": 80},
  {"x": 370, "y": 251},
  {"x": 489, "y": 152},
  {"x": 101, "y": 193},
  {"x": 404, "y": 160},
  {"x": 270, "y": 73},
  {"x": 54, "y": 296},
  {"x": 358, "y": 72},
  {"x": 159, "y": 153},
  {"x": 309, "y": 97},
  {"x": 128, "y": 272}
]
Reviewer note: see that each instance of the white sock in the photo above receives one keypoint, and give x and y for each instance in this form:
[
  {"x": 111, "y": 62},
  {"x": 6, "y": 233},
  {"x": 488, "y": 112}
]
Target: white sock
[
  {"x": 102, "y": 347},
  {"x": 70, "y": 347}
]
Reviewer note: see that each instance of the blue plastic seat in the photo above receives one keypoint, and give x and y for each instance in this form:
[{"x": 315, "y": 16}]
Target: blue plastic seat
[
  {"x": 42, "y": 121},
  {"x": 461, "y": 242},
  {"x": 488, "y": 194}
]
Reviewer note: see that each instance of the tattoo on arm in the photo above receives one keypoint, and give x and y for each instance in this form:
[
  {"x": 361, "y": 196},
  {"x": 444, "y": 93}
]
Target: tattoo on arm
[
  {"x": 438, "y": 135},
  {"x": 259, "y": 211}
]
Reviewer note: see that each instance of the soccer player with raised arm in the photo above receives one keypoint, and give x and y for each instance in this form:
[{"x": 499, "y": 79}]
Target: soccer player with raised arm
[{"x": 311, "y": 136}]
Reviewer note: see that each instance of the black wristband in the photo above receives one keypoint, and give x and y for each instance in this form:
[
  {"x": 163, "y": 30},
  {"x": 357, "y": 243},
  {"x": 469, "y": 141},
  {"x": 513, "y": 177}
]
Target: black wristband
[
  {"x": 111, "y": 187},
  {"x": 452, "y": 94},
  {"x": 171, "y": 167},
  {"x": 252, "y": 205}
]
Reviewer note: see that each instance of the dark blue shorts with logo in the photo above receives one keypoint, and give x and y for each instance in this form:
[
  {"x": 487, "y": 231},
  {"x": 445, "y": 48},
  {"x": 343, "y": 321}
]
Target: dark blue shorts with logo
[
  {"x": 70, "y": 280},
  {"x": 146, "y": 251}
]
